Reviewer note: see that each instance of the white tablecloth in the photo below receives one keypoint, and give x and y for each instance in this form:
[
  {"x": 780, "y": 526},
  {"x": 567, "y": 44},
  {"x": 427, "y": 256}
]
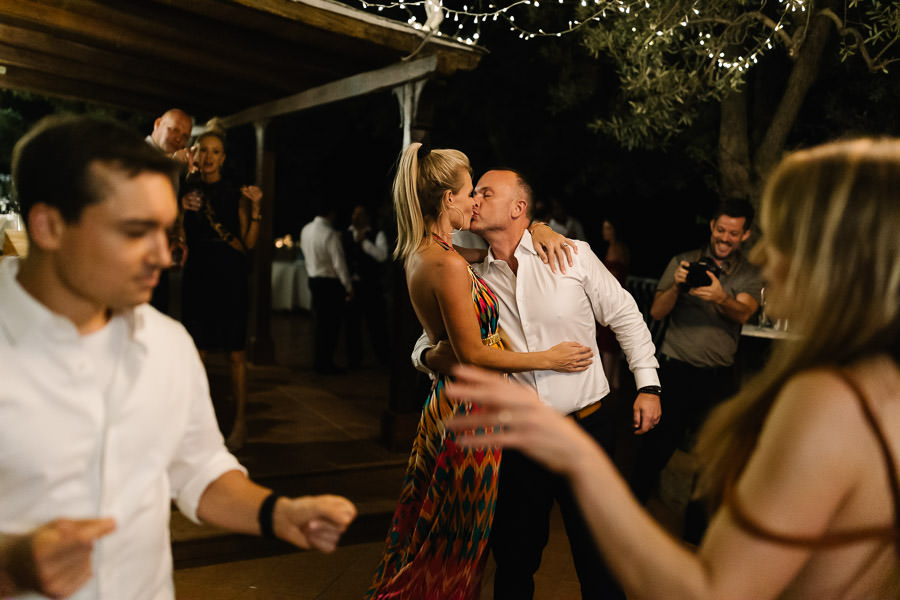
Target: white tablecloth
[{"x": 290, "y": 287}]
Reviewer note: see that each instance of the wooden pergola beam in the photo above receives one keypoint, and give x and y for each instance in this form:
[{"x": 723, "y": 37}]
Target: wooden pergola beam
[
  {"x": 349, "y": 87},
  {"x": 99, "y": 74},
  {"x": 340, "y": 18},
  {"x": 137, "y": 41},
  {"x": 26, "y": 80},
  {"x": 44, "y": 49}
]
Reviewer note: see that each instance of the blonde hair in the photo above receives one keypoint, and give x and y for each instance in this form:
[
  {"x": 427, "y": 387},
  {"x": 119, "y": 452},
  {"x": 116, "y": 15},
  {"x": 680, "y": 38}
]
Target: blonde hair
[
  {"x": 419, "y": 187},
  {"x": 833, "y": 212}
]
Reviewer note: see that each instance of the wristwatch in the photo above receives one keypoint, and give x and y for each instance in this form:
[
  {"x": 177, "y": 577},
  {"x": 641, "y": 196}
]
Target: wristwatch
[{"x": 651, "y": 389}]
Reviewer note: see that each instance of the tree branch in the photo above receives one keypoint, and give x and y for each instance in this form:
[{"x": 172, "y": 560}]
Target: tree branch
[
  {"x": 804, "y": 73},
  {"x": 859, "y": 43}
]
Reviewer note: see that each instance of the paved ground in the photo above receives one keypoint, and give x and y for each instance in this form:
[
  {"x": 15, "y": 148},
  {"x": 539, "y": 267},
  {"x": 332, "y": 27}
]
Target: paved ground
[{"x": 310, "y": 434}]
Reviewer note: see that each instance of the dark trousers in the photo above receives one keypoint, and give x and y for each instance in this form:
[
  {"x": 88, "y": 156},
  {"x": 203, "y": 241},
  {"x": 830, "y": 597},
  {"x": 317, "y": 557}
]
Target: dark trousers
[
  {"x": 328, "y": 300},
  {"x": 689, "y": 393},
  {"x": 522, "y": 523},
  {"x": 367, "y": 307}
]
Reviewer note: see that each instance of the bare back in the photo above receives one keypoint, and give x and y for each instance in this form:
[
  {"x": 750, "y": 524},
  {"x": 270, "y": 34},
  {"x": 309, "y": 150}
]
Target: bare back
[
  {"x": 427, "y": 269},
  {"x": 819, "y": 473}
]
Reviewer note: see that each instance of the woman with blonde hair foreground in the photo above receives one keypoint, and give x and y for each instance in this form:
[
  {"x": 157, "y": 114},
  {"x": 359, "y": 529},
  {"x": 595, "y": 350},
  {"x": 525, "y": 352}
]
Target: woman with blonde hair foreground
[
  {"x": 800, "y": 465},
  {"x": 437, "y": 542}
]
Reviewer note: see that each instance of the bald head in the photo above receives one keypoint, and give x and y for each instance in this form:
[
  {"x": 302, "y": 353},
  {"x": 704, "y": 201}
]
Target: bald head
[
  {"x": 504, "y": 200},
  {"x": 172, "y": 130}
]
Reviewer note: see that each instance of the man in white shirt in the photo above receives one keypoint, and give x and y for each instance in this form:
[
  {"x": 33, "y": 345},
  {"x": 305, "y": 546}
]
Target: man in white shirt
[
  {"x": 329, "y": 284},
  {"x": 540, "y": 308},
  {"x": 105, "y": 415}
]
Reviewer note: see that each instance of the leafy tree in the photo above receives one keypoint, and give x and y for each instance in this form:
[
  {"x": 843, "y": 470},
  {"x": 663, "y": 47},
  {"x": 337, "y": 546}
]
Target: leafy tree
[{"x": 758, "y": 60}]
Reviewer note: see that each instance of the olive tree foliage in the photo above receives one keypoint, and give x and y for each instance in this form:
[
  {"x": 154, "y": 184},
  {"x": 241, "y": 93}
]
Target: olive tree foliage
[{"x": 673, "y": 58}]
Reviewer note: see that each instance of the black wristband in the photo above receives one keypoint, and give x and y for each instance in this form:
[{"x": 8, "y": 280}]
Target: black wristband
[
  {"x": 266, "y": 511},
  {"x": 651, "y": 389}
]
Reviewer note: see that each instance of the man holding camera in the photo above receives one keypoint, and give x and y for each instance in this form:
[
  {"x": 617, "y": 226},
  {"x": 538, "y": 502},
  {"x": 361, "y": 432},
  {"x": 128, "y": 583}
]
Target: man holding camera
[{"x": 708, "y": 294}]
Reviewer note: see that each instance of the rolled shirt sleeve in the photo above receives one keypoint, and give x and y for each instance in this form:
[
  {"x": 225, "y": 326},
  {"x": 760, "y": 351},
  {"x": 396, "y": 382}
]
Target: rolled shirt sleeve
[{"x": 201, "y": 456}]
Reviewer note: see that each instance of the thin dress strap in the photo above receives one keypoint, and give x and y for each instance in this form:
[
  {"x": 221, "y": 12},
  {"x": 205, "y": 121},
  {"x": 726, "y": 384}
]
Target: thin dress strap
[
  {"x": 836, "y": 538},
  {"x": 441, "y": 242}
]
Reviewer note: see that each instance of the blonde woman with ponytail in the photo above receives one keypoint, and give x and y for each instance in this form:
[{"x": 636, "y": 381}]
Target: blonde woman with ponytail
[
  {"x": 436, "y": 547},
  {"x": 801, "y": 466}
]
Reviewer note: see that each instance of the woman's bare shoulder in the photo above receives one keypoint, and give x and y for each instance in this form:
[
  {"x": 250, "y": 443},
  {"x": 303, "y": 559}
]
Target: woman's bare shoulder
[
  {"x": 813, "y": 407},
  {"x": 819, "y": 409},
  {"x": 438, "y": 262},
  {"x": 875, "y": 377}
]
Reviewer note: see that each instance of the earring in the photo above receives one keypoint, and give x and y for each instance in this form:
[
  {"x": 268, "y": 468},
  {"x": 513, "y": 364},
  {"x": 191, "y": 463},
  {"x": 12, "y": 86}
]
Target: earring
[{"x": 462, "y": 217}]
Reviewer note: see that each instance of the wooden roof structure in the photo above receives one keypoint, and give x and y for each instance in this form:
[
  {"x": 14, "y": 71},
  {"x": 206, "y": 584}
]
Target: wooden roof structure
[{"x": 213, "y": 57}]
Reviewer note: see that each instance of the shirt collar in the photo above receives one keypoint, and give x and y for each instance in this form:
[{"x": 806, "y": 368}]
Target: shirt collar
[
  {"x": 526, "y": 245},
  {"x": 729, "y": 263},
  {"x": 21, "y": 313}
]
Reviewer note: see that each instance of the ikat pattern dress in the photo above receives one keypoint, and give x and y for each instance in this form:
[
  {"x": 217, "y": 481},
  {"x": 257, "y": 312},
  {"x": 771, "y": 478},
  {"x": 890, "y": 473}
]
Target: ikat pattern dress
[{"x": 437, "y": 544}]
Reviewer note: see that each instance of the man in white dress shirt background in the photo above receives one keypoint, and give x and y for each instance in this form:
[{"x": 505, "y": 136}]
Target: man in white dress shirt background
[
  {"x": 329, "y": 284},
  {"x": 540, "y": 308},
  {"x": 105, "y": 415}
]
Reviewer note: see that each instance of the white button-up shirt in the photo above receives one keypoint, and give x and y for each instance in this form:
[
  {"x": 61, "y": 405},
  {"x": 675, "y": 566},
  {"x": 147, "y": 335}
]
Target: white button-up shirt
[
  {"x": 78, "y": 443},
  {"x": 323, "y": 253},
  {"x": 540, "y": 309}
]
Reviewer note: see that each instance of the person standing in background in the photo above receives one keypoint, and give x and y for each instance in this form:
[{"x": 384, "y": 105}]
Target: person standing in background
[
  {"x": 221, "y": 223},
  {"x": 329, "y": 284},
  {"x": 617, "y": 260},
  {"x": 366, "y": 251},
  {"x": 171, "y": 132}
]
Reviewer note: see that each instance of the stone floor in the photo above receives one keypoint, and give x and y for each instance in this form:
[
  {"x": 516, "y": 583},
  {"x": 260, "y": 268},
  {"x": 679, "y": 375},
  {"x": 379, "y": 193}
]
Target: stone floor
[{"x": 309, "y": 434}]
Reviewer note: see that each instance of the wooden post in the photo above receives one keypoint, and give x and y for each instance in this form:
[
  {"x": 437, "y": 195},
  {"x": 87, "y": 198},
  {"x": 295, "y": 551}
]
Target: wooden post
[
  {"x": 408, "y": 98},
  {"x": 262, "y": 347}
]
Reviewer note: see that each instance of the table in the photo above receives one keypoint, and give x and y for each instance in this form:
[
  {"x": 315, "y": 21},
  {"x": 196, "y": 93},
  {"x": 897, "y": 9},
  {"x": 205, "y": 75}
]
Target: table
[{"x": 290, "y": 285}]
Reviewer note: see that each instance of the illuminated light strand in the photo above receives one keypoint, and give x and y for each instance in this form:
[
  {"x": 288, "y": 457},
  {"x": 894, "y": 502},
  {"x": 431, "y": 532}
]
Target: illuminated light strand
[{"x": 657, "y": 35}]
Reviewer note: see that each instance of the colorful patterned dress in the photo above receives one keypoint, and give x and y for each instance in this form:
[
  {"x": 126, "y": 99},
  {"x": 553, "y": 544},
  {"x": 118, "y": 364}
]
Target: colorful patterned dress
[{"x": 437, "y": 543}]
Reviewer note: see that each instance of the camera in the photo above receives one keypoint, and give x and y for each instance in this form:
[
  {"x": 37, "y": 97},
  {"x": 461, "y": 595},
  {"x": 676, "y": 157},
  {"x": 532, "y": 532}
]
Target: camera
[{"x": 697, "y": 277}]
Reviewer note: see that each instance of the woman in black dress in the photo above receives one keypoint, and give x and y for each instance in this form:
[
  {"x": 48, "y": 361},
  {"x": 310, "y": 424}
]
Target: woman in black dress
[{"x": 221, "y": 223}]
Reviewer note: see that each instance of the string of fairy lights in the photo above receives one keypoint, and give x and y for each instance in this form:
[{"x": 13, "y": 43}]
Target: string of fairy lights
[{"x": 464, "y": 22}]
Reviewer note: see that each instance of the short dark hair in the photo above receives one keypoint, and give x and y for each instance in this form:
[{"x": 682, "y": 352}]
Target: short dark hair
[
  {"x": 737, "y": 208},
  {"x": 51, "y": 163}
]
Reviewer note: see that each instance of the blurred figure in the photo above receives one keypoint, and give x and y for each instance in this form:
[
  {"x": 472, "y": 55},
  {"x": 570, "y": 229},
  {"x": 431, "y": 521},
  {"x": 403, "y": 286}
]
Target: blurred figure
[
  {"x": 366, "y": 251},
  {"x": 105, "y": 415},
  {"x": 617, "y": 260},
  {"x": 221, "y": 224},
  {"x": 563, "y": 223},
  {"x": 801, "y": 466},
  {"x": 329, "y": 284},
  {"x": 170, "y": 135}
]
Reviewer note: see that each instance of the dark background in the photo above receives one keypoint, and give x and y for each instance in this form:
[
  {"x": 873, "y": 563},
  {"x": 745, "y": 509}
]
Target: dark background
[{"x": 527, "y": 106}]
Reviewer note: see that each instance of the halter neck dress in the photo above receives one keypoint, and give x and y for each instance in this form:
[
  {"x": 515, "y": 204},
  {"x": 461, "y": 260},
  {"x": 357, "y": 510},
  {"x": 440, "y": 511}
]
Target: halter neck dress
[{"x": 437, "y": 543}]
